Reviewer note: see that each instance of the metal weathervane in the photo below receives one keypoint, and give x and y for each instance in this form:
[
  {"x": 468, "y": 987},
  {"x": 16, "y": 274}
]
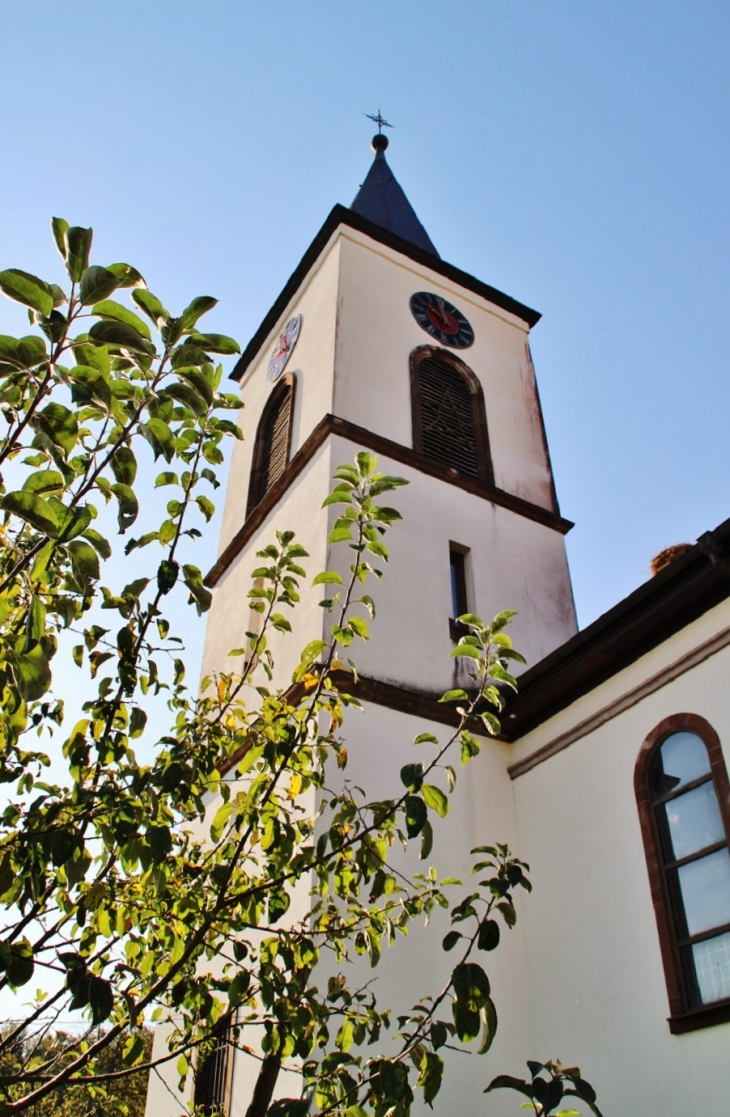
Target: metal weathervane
[{"x": 379, "y": 120}]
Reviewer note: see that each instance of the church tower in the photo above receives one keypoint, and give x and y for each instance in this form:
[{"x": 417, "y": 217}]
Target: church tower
[{"x": 377, "y": 343}]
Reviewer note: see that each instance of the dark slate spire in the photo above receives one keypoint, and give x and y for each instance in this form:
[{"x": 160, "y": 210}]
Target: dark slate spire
[{"x": 381, "y": 200}]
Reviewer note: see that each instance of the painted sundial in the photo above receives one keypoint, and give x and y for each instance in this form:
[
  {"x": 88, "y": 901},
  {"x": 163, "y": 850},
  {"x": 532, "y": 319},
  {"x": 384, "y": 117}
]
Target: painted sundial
[
  {"x": 442, "y": 320},
  {"x": 282, "y": 351}
]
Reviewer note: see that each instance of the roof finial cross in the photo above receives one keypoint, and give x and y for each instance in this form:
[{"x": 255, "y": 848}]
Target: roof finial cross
[{"x": 379, "y": 120}]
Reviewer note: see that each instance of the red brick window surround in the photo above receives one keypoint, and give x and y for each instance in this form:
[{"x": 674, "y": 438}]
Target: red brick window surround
[{"x": 683, "y": 797}]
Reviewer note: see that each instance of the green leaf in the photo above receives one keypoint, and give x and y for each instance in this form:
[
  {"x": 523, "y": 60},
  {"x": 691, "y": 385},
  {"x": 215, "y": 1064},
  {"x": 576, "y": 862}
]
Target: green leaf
[
  {"x": 194, "y": 581},
  {"x": 89, "y": 386},
  {"x": 206, "y": 507},
  {"x": 101, "y": 999},
  {"x": 431, "y": 1073},
  {"x": 115, "y": 312},
  {"x": 95, "y": 356},
  {"x": 508, "y": 1082},
  {"x": 160, "y": 438},
  {"x": 312, "y": 651},
  {"x": 489, "y": 1026},
  {"x": 151, "y": 305},
  {"x": 44, "y": 481},
  {"x": 339, "y": 535},
  {"x": 124, "y": 465},
  {"x": 185, "y": 393},
  {"x": 128, "y": 506},
  {"x": 217, "y": 343},
  {"x": 198, "y": 380},
  {"x": 59, "y": 227},
  {"x": 34, "y": 510},
  {"x": 454, "y": 696},
  {"x": 467, "y": 650},
  {"x": 416, "y": 815},
  {"x": 137, "y": 722},
  {"x": 167, "y": 573},
  {"x": 17, "y": 962},
  {"x": 471, "y": 983},
  {"x": 360, "y": 627},
  {"x": 426, "y": 841},
  {"x": 238, "y": 988},
  {"x": 58, "y": 424},
  {"x": 412, "y": 776},
  {"x": 451, "y": 940},
  {"x": 98, "y": 542},
  {"x": 327, "y": 577},
  {"x": 35, "y": 624},
  {"x": 166, "y": 478},
  {"x": 126, "y": 274},
  {"x": 120, "y": 334},
  {"x": 32, "y": 673},
  {"x": 195, "y": 310},
  {"x": 96, "y": 283},
  {"x": 78, "y": 243},
  {"x": 488, "y": 935},
  {"x": 21, "y": 352},
  {"x": 435, "y": 799},
  {"x": 22, "y": 287},
  {"x": 85, "y": 562}
]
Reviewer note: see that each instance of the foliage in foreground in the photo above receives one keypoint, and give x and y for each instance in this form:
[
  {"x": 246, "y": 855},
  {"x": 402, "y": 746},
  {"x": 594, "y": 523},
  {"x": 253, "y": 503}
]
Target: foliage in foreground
[{"x": 125, "y": 894}]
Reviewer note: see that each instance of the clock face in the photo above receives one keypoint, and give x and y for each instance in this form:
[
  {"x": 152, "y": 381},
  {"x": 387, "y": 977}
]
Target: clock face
[
  {"x": 283, "y": 349},
  {"x": 441, "y": 320}
]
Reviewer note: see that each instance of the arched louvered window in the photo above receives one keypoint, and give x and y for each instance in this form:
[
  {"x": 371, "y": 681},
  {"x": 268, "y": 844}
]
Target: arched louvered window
[
  {"x": 684, "y": 805},
  {"x": 273, "y": 441},
  {"x": 449, "y": 421}
]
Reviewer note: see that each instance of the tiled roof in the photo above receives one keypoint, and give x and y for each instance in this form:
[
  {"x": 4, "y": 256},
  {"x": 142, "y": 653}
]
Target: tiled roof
[{"x": 381, "y": 200}]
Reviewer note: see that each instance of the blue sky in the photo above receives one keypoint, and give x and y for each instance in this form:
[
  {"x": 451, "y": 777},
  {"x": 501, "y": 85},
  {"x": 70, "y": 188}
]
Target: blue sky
[{"x": 572, "y": 154}]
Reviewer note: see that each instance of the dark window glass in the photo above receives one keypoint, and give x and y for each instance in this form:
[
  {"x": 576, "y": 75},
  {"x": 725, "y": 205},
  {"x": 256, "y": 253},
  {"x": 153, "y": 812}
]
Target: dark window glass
[
  {"x": 458, "y": 584},
  {"x": 696, "y": 862},
  {"x": 212, "y": 1077}
]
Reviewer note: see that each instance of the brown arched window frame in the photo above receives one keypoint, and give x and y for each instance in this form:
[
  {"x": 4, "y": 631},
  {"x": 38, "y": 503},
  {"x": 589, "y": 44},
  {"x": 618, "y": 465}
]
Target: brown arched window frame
[
  {"x": 687, "y": 1011},
  {"x": 465, "y": 447},
  {"x": 272, "y": 447}
]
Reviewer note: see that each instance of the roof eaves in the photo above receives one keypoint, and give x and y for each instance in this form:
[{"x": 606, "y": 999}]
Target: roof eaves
[{"x": 658, "y": 609}]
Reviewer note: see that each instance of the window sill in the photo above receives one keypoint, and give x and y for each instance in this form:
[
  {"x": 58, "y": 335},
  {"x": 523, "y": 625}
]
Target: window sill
[{"x": 705, "y": 1017}]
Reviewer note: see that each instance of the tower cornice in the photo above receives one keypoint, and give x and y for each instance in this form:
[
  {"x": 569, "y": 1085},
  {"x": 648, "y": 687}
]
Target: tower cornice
[{"x": 341, "y": 215}]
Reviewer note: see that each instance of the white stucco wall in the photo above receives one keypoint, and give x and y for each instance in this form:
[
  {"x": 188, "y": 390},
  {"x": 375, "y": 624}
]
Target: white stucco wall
[
  {"x": 376, "y": 333},
  {"x": 598, "y": 994},
  {"x": 312, "y": 363}
]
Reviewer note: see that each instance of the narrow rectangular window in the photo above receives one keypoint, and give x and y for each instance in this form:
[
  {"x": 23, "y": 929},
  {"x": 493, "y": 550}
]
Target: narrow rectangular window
[
  {"x": 213, "y": 1076},
  {"x": 459, "y": 601}
]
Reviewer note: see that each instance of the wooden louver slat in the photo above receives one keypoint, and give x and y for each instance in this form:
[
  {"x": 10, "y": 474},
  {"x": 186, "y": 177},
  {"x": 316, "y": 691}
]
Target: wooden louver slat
[
  {"x": 271, "y": 454},
  {"x": 448, "y": 430}
]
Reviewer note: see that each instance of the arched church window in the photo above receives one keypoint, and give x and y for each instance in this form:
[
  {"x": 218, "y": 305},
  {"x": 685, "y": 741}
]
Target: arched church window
[
  {"x": 273, "y": 441},
  {"x": 449, "y": 420},
  {"x": 684, "y": 805}
]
